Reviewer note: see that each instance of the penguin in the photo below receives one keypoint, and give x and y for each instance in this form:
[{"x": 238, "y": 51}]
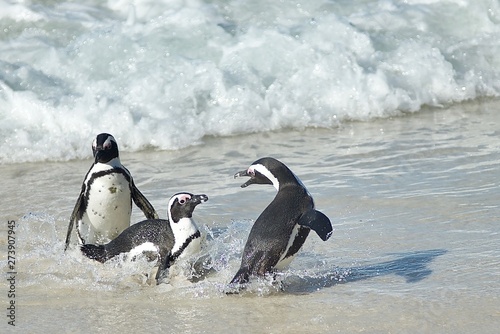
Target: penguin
[
  {"x": 172, "y": 239},
  {"x": 103, "y": 208},
  {"x": 282, "y": 228}
]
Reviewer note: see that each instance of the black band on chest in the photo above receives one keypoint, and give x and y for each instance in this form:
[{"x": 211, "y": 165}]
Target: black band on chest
[{"x": 186, "y": 243}]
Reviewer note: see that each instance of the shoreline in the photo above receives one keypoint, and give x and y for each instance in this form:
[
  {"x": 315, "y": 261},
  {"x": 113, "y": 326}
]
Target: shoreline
[{"x": 468, "y": 106}]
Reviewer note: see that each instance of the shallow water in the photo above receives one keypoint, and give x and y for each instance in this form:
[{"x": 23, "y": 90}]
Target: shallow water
[{"x": 413, "y": 200}]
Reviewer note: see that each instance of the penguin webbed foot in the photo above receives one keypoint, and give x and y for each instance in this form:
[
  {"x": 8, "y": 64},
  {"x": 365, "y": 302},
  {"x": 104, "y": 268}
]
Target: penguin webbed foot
[{"x": 318, "y": 222}]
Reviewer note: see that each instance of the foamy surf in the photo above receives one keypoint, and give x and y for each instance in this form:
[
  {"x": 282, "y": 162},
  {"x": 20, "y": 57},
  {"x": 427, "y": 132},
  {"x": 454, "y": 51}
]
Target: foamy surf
[{"x": 164, "y": 75}]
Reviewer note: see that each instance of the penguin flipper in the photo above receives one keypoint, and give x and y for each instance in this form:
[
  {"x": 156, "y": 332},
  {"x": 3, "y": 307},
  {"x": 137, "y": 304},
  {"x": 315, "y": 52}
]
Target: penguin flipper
[
  {"x": 142, "y": 203},
  {"x": 77, "y": 214},
  {"x": 318, "y": 222},
  {"x": 163, "y": 269}
]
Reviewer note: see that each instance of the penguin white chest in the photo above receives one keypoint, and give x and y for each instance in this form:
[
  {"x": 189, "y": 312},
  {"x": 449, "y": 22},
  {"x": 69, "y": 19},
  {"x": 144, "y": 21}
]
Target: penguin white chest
[
  {"x": 185, "y": 243},
  {"x": 109, "y": 206}
]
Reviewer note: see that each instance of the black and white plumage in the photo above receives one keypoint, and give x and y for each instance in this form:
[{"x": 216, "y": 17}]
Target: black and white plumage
[
  {"x": 282, "y": 228},
  {"x": 172, "y": 239},
  {"x": 103, "y": 208}
]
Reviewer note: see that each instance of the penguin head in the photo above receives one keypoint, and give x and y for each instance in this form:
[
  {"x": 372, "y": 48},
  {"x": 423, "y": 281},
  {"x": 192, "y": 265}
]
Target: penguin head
[
  {"x": 181, "y": 205},
  {"x": 104, "y": 148},
  {"x": 268, "y": 171}
]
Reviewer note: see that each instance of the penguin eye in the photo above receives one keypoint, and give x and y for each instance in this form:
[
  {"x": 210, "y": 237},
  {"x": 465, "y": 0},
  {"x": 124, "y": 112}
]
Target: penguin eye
[
  {"x": 251, "y": 172},
  {"x": 184, "y": 199}
]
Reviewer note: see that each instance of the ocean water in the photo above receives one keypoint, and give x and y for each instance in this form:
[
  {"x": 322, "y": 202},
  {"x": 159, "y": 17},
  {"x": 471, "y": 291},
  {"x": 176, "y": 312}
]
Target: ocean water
[
  {"x": 388, "y": 111},
  {"x": 165, "y": 74}
]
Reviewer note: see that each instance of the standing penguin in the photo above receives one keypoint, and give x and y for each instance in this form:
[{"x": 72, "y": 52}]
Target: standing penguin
[
  {"x": 103, "y": 208},
  {"x": 177, "y": 237},
  {"x": 282, "y": 228}
]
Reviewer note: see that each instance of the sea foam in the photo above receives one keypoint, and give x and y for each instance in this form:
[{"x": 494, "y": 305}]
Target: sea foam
[{"x": 164, "y": 74}]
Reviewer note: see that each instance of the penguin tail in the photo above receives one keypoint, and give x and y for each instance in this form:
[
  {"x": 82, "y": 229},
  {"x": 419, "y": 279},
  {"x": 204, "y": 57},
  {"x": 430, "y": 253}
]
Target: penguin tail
[{"x": 94, "y": 252}]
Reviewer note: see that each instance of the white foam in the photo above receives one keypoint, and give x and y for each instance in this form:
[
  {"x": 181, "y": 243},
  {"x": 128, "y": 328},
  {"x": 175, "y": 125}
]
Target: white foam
[{"x": 165, "y": 74}]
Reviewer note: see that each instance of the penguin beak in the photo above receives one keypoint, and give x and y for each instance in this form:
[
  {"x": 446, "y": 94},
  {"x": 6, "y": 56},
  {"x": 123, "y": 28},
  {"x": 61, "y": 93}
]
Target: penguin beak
[
  {"x": 245, "y": 173},
  {"x": 197, "y": 199},
  {"x": 98, "y": 153}
]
